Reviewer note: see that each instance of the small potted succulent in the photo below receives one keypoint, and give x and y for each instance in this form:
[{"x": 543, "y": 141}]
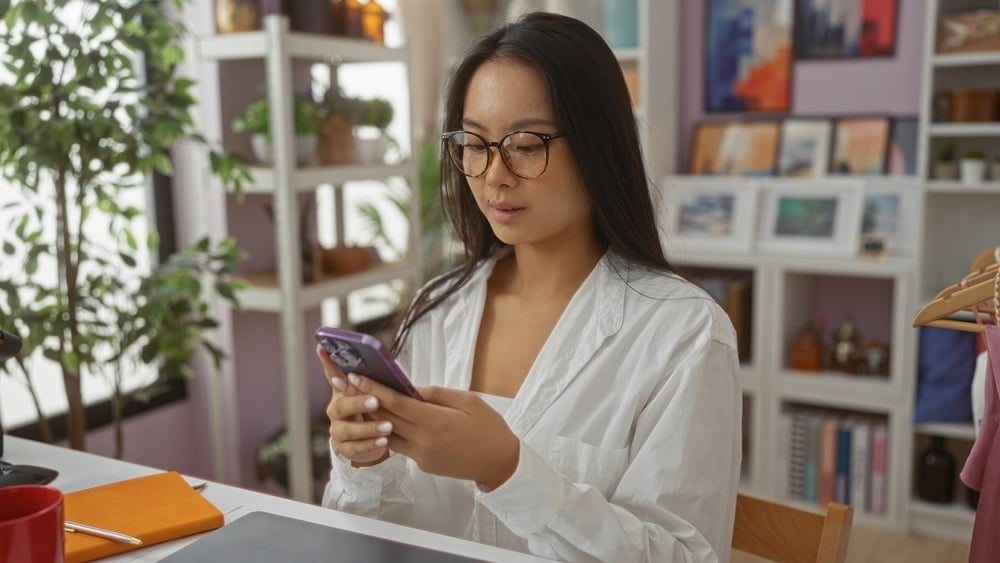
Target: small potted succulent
[
  {"x": 255, "y": 119},
  {"x": 945, "y": 166},
  {"x": 972, "y": 167}
]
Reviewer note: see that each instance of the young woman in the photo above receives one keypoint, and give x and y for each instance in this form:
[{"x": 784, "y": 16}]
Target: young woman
[{"x": 581, "y": 401}]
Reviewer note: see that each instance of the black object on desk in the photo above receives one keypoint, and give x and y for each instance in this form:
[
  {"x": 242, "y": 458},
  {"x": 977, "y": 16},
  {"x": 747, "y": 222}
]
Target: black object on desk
[
  {"x": 262, "y": 536},
  {"x": 11, "y": 474}
]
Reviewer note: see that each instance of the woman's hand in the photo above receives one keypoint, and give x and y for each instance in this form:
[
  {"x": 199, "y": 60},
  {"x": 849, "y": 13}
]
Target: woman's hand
[
  {"x": 355, "y": 433},
  {"x": 451, "y": 433}
]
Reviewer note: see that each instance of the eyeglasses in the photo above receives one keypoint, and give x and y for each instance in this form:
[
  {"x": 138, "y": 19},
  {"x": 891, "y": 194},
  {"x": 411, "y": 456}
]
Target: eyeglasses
[{"x": 525, "y": 153}]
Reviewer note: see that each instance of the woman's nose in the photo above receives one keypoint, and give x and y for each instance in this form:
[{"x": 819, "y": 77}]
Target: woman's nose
[{"x": 497, "y": 173}]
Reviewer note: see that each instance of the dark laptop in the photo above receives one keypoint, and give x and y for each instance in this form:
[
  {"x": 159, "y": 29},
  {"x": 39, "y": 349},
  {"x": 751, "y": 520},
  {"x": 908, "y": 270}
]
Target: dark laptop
[{"x": 262, "y": 536}]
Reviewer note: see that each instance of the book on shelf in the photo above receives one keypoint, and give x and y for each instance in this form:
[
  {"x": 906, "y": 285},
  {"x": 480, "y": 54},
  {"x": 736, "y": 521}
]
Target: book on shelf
[
  {"x": 735, "y": 296},
  {"x": 832, "y": 456},
  {"x": 876, "y": 497}
]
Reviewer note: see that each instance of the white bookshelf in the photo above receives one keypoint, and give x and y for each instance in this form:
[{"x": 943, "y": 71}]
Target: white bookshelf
[{"x": 284, "y": 293}]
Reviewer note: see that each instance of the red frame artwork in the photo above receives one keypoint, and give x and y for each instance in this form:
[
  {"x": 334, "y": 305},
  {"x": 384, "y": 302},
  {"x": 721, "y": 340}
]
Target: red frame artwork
[{"x": 856, "y": 28}]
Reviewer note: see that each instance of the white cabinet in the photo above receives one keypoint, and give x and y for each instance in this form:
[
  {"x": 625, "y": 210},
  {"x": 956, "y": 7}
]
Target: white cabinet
[
  {"x": 285, "y": 294},
  {"x": 789, "y": 293}
]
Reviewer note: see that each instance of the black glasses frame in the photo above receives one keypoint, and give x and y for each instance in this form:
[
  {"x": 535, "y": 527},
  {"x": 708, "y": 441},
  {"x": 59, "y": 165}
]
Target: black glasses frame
[{"x": 545, "y": 137}]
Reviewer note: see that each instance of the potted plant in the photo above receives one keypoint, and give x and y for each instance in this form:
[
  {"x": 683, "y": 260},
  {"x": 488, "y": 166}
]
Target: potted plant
[
  {"x": 972, "y": 167},
  {"x": 80, "y": 130},
  {"x": 338, "y": 115},
  {"x": 945, "y": 167},
  {"x": 256, "y": 120},
  {"x": 370, "y": 138}
]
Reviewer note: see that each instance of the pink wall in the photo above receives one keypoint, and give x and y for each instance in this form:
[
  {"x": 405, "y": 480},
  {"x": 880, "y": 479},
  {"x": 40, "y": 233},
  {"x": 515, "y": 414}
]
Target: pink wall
[{"x": 834, "y": 87}]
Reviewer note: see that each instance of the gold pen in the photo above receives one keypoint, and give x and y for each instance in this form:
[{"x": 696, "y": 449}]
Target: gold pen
[{"x": 101, "y": 532}]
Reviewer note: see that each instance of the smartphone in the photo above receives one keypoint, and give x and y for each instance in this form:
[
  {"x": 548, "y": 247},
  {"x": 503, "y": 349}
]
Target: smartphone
[{"x": 363, "y": 354}]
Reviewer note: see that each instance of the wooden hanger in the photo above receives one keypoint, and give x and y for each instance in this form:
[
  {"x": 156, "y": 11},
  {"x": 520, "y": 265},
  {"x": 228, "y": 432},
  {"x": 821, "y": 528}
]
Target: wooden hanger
[{"x": 975, "y": 289}]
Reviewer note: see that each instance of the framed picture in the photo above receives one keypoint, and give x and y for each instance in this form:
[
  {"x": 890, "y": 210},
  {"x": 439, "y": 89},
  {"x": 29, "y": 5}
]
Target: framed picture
[
  {"x": 890, "y": 212},
  {"x": 826, "y": 29},
  {"x": 805, "y": 147},
  {"x": 860, "y": 145},
  {"x": 735, "y": 148},
  {"x": 902, "y": 159},
  {"x": 819, "y": 218},
  {"x": 709, "y": 214},
  {"x": 748, "y": 48}
]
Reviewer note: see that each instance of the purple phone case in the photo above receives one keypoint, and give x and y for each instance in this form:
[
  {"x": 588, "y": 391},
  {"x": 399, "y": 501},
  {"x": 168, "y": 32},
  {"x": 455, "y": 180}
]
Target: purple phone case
[{"x": 360, "y": 353}]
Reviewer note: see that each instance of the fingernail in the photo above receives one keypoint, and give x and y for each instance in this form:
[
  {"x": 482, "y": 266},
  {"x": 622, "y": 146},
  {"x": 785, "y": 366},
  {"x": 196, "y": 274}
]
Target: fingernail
[
  {"x": 384, "y": 427},
  {"x": 338, "y": 383},
  {"x": 371, "y": 403},
  {"x": 381, "y": 442},
  {"x": 355, "y": 380}
]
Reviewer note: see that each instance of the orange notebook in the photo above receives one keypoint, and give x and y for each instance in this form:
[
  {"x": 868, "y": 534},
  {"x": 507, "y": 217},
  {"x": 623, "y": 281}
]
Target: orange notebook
[{"x": 154, "y": 508}]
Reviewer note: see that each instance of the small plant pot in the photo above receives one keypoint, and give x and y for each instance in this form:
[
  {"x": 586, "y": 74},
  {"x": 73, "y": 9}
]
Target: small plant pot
[
  {"x": 341, "y": 260},
  {"x": 995, "y": 171},
  {"x": 945, "y": 171},
  {"x": 370, "y": 145},
  {"x": 972, "y": 170},
  {"x": 336, "y": 141},
  {"x": 305, "y": 149}
]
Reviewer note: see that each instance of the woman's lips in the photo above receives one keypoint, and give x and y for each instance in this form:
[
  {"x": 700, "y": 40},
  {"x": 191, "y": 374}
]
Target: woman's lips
[{"x": 504, "y": 213}]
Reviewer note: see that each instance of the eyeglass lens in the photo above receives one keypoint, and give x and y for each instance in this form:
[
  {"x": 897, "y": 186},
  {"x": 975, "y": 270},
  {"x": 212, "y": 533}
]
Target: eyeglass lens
[{"x": 524, "y": 153}]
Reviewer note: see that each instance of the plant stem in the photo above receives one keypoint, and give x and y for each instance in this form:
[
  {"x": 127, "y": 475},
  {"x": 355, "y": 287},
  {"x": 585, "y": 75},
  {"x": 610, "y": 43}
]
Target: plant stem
[{"x": 68, "y": 270}]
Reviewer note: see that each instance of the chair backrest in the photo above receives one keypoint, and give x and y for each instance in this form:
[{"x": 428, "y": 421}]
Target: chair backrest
[{"x": 788, "y": 534}]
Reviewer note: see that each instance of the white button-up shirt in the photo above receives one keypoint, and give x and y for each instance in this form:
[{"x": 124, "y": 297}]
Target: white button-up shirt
[{"x": 629, "y": 422}]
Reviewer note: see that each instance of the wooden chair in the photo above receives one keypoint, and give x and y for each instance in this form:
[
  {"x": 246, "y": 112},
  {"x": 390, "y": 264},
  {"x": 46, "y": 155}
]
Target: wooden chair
[{"x": 788, "y": 534}]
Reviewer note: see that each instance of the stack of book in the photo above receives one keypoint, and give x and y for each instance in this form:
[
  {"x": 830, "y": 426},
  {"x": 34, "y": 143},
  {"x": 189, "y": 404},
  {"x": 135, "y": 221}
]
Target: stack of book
[{"x": 839, "y": 457}]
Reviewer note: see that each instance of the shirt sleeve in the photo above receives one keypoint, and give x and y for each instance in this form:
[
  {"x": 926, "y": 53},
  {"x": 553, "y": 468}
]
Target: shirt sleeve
[
  {"x": 366, "y": 491},
  {"x": 677, "y": 498}
]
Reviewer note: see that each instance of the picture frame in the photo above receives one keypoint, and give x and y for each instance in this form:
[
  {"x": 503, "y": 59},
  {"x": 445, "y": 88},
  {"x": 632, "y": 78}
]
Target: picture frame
[
  {"x": 889, "y": 211},
  {"x": 805, "y": 147},
  {"x": 708, "y": 214},
  {"x": 735, "y": 148},
  {"x": 902, "y": 157},
  {"x": 855, "y": 29},
  {"x": 818, "y": 218},
  {"x": 754, "y": 73},
  {"x": 860, "y": 145}
]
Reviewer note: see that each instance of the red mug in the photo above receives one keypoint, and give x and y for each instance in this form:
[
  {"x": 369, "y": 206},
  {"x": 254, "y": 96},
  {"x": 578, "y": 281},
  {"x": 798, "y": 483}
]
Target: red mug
[{"x": 31, "y": 524}]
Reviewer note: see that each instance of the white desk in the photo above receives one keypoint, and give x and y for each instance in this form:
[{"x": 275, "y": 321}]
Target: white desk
[{"x": 80, "y": 470}]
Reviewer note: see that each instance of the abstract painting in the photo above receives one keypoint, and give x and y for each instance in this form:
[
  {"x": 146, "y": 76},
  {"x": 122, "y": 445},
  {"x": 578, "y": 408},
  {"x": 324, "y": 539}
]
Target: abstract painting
[
  {"x": 827, "y": 29},
  {"x": 805, "y": 147},
  {"x": 748, "y": 46}
]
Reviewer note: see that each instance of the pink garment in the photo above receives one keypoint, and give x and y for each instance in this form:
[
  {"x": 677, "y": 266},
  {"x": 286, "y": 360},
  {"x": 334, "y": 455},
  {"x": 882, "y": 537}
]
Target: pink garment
[{"x": 982, "y": 468}]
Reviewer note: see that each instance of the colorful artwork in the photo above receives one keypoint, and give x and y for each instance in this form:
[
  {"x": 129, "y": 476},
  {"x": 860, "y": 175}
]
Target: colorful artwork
[
  {"x": 806, "y": 216},
  {"x": 749, "y": 55},
  {"x": 845, "y": 28},
  {"x": 860, "y": 145},
  {"x": 707, "y": 214},
  {"x": 805, "y": 147},
  {"x": 735, "y": 148}
]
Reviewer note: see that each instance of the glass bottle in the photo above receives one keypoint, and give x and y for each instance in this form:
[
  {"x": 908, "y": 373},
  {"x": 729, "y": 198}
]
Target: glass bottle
[
  {"x": 346, "y": 18},
  {"x": 373, "y": 17},
  {"x": 936, "y": 473}
]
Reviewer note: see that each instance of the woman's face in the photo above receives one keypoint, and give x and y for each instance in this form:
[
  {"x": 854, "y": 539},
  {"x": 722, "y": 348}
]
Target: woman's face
[{"x": 551, "y": 210}]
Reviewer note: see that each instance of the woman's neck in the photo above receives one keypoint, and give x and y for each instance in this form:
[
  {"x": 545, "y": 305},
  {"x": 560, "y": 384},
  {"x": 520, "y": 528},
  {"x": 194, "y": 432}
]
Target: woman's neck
[{"x": 534, "y": 273}]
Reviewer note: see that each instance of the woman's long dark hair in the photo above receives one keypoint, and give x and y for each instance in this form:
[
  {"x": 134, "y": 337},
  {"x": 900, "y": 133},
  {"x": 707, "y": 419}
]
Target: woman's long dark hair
[{"x": 591, "y": 106}]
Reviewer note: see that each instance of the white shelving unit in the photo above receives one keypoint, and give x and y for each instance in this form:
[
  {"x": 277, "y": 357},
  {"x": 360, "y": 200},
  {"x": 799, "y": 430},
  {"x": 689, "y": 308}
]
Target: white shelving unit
[
  {"x": 785, "y": 289},
  {"x": 284, "y": 293},
  {"x": 959, "y": 222}
]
